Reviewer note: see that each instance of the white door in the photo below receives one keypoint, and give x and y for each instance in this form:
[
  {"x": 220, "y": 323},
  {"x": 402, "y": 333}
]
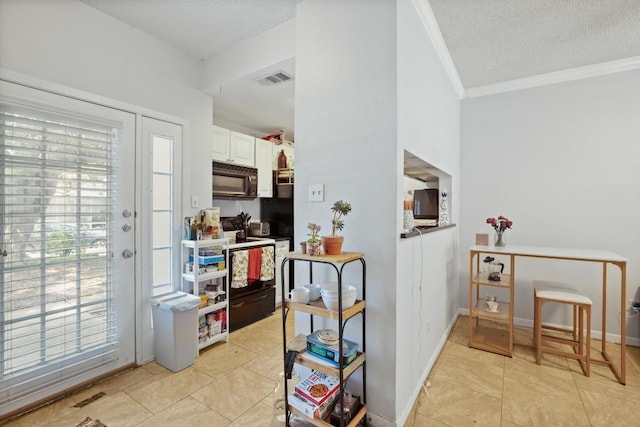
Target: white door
[
  {"x": 161, "y": 223},
  {"x": 68, "y": 225}
]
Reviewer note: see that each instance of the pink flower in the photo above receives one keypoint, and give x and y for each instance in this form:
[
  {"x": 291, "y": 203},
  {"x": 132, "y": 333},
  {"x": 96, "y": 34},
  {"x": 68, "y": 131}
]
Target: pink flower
[{"x": 500, "y": 224}]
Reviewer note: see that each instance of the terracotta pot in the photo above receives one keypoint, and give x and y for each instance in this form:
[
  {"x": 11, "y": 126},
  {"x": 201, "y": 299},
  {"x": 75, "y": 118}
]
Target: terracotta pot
[{"x": 332, "y": 244}]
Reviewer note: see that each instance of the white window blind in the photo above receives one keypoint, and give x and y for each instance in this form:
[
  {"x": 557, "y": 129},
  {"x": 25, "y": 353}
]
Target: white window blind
[{"x": 57, "y": 302}]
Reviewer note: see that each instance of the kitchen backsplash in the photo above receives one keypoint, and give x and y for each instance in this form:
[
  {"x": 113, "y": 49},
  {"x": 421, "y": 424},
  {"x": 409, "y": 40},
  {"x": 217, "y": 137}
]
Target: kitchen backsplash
[{"x": 234, "y": 207}]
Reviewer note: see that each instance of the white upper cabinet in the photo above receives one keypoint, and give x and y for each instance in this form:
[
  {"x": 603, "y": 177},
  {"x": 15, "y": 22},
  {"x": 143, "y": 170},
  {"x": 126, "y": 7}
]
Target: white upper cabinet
[
  {"x": 233, "y": 147},
  {"x": 242, "y": 149},
  {"x": 221, "y": 138},
  {"x": 288, "y": 149},
  {"x": 263, "y": 163}
]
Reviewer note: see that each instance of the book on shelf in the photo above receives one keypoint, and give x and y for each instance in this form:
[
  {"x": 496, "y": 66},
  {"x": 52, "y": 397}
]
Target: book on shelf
[{"x": 316, "y": 386}]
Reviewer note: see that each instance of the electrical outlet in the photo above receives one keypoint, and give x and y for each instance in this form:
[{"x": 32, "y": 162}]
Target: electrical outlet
[
  {"x": 195, "y": 202},
  {"x": 316, "y": 193}
]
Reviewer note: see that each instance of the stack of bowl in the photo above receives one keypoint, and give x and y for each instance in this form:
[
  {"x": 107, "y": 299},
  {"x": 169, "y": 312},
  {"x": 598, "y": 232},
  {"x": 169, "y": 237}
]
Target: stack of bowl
[{"x": 329, "y": 295}]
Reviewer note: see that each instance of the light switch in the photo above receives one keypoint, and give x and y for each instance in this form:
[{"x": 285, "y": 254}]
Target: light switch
[
  {"x": 194, "y": 201},
  {"x": 316, "y": 193}
]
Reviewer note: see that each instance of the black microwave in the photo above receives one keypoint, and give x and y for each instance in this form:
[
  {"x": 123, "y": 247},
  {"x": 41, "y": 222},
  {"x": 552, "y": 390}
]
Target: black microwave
[{"x": 234, "y": 181}]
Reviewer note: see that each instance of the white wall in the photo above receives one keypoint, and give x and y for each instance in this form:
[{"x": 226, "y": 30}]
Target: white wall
[
  {"x": 561, "y": 161},
  {"x": 71, "y": 48},
  {"x": 346, "y": 139},
  {"x": 427, "y": 266},
  {"x": 69, "y": 43}
]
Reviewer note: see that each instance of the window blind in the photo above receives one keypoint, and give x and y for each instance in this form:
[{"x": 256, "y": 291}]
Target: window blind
[{"x": 57, "y": 306}]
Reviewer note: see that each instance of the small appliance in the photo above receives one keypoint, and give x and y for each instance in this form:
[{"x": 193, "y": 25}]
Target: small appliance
[
  {"x": 259, "y": 229},
  {"x": 234, "y": 181}
]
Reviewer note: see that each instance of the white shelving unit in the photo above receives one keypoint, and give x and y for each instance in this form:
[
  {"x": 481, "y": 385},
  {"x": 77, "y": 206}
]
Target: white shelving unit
[{"x": 195, "y": 281}]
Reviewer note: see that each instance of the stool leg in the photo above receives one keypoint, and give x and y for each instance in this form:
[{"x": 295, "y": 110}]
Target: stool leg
[
  {"x": 538, "y": 328},
  {"x": 575, "y": 322},
  {"x": 588, "y": 349}
]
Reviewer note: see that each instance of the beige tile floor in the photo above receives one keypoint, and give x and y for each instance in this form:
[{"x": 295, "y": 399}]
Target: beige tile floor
[
  {"x": 230, "y": 384},
  {"x": 469, "y": 387}
]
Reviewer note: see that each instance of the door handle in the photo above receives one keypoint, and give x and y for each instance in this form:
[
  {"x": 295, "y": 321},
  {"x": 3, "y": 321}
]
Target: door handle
[
  {"x": 127, "y": 253},
  {"x": 4, "y": 253},
  {"x": 126, "y": 228}
]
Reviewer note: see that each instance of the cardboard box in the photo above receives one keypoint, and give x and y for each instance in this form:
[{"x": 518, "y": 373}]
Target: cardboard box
[
  {"x": 330, "y": 353},
  {"x": 310, "y": 409}
]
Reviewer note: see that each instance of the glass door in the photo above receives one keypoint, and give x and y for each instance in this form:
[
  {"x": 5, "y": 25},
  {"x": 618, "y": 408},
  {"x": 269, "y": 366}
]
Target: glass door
[{"x": 67, "y": 232}]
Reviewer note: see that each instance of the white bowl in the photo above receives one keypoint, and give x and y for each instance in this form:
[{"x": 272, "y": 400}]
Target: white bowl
[
  {"x": 332, "y": 302},
  {"x": 314, "y": 291}
]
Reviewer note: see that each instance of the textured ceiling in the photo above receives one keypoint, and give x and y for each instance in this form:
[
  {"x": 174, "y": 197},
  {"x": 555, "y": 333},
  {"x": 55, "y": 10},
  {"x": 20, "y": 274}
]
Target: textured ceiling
[
  {"x": 200, "y": 27},
  {"x": 493, "y": 41}
]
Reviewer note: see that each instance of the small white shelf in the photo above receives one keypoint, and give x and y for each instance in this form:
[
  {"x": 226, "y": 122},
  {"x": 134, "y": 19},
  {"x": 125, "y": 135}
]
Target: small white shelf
[
  {"x": 194, "y": 283},
  {"x": 224, "y": 336}
]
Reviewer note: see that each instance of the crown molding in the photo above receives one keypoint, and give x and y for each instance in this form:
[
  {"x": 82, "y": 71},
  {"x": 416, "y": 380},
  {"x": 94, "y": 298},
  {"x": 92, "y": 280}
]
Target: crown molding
[
  {"x": 433, "y": 30},
  {"x": 578, "y": 73}
]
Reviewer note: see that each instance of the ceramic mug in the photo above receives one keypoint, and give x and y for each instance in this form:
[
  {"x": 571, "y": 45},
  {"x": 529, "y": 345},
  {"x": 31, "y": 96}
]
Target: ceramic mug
[
  {"x": 314, "y": 291},
  {"x": 300, "y": 295}
]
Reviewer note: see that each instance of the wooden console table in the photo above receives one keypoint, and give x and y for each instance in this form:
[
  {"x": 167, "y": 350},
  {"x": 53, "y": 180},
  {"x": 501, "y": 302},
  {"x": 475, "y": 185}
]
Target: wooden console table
[{"x": 502, "y": 341}]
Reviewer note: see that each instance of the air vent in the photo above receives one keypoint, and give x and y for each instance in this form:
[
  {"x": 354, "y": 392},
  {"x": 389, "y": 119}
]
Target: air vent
[{"x": 275, "y": 78}]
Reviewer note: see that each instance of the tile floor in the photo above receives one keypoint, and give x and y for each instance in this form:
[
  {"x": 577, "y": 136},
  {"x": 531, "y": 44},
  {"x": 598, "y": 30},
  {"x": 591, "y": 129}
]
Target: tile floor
[
  {"x": 231, "y": 383},
  {"x": 471, "y": 387}
]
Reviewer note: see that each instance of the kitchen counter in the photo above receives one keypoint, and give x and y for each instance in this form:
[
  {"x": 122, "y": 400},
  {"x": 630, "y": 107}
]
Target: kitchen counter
[{"x": 419, "y": 231}]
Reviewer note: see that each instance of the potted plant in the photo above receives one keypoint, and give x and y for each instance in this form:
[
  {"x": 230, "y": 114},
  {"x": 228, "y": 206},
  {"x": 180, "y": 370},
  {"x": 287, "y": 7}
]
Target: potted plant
[
  {"x": 313, "y": 242},
  {"x": 333, "y": 244}
]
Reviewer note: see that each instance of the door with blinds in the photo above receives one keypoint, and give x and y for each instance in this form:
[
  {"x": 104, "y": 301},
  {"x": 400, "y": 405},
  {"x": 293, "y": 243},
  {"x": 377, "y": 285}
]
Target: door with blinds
[{"x": 67, "y": 186}]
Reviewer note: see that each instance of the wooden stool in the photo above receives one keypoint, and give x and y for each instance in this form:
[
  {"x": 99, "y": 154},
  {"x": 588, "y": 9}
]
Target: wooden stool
[{"x": 581, "y": 308}]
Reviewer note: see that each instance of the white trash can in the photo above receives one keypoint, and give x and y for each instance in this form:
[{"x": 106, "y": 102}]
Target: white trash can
[{"x": 175, "y": 328}]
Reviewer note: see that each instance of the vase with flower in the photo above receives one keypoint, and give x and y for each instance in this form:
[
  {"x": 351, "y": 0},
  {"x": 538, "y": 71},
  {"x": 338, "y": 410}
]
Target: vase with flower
[
  {"x": 313, "y": 243},
  {"x": 500, "y": 225}
]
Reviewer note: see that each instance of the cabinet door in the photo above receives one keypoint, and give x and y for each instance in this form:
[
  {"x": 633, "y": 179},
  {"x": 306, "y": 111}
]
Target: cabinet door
[
  {"x": 220, "y": 145},
  {"x": 263, "y": 163},
  {"x": 242, "y": 149},
  {"x": 288, "y": 149}
]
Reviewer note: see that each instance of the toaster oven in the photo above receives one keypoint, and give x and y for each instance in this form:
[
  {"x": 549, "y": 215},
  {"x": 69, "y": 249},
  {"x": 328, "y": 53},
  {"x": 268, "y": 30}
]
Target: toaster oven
[{"x": 259, "y": 229}]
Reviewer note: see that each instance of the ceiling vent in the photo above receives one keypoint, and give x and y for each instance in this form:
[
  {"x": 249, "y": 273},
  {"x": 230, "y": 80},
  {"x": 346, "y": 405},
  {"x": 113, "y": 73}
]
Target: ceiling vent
[{"x": 275, "y": 78}]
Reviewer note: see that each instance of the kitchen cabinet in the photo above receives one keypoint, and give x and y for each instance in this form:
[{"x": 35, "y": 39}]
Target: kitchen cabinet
[
  {"x": 232, "y": 147},
  {"x": 263, "y": 163},
  {"x": 490, "y": 330},
  {"x": 341, "y": 370},
  {"x": 206, "y": 274},
  {"x": 289, "y": 151}
]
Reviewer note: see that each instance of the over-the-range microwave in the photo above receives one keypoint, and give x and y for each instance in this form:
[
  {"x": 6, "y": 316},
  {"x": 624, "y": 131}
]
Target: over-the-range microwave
[{"x": 234, "y": 181}]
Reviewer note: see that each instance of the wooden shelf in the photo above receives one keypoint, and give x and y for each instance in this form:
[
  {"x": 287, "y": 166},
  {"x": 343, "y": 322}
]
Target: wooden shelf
[
  {"x": 491, "y": 336},
  {"x": 337, "y": 259},
  {"x": 318, "y": 308},
  {"x": 313, "y": 362},
  {"x": 480, "y": 311},
  {"x": 316, "y": 422},
  {"x": 483, "y": 279}
]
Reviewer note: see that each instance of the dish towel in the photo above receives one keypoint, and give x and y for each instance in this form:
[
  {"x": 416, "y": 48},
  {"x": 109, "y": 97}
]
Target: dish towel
[
  {"x": 255, "y": 262},
  {"x": 267, "y": 269},
  {"x": 240, "y": 266}
]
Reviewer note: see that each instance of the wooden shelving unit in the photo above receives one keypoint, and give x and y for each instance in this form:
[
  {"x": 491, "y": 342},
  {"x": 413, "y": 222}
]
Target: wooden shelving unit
[
  {"x": 490, "y": 331},
  {"x": 342, "y": 316}
]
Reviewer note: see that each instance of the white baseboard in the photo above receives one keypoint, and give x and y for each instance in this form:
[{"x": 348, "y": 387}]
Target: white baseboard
[
  {"x": 528, "y": 323},
  {"x": 414, "y": 396}
]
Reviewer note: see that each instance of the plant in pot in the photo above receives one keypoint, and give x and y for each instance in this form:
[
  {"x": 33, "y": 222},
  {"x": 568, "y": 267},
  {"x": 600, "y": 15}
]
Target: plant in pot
[
  {"x": 313, "y": 242},
  {"x": 333, "y": 244}
]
